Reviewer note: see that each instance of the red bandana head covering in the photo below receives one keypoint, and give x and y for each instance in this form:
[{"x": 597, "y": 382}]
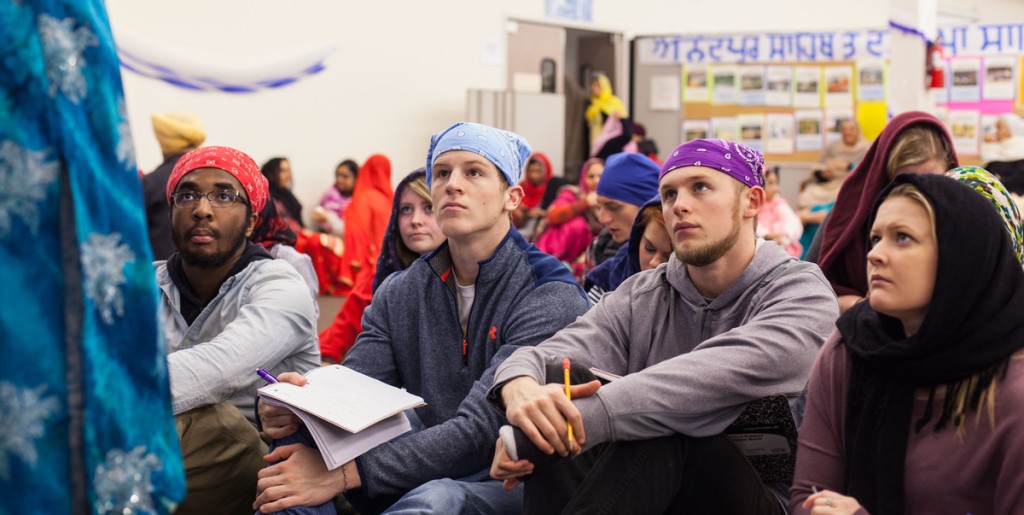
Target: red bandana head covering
[{"x": 232, "y": 161}]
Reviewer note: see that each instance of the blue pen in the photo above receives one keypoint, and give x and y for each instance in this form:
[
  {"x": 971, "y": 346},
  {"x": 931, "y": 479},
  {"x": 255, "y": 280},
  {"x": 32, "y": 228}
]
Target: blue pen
[{"x": 266, "y": 376}]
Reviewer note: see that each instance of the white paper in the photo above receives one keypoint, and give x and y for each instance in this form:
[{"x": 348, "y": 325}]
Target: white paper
[
  {"x": 724, "y": 85},
  {"x": 725, "y": 127},
  {"x": 696, "y": 129},
  {"x": 838, "y": 86},
  {"x": 809, "y": 131},
  {"x": 779, "y": 86},
  {"x": 966, "y": 81},
  {"x": 780, "y": 133},
  {"x": 833, "y": 119},
  {"x": 870, "y": 80},
  {"x": 807, "y": 91},
  {"x": 964, "y": 126},
  {"x": 751, "y": 79},
  {"x": 999, "y": 73},
  {"x": 751, "y": 130},
  {"x": 344, "y": 397},
  {"x": 665, "y": 93},
  {"x": 695, "y": 86}
]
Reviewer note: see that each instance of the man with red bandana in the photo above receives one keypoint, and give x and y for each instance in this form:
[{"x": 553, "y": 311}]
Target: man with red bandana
[{"x": 228, "y": 308}]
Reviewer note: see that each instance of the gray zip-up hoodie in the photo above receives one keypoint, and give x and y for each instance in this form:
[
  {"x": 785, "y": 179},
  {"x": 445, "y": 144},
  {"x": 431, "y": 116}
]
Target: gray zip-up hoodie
[
  {"x": 690, "y": 364},
  {"x": 412, "y": 338}
]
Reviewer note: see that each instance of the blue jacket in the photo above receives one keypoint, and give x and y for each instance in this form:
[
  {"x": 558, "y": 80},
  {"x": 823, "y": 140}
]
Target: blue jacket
[{"x": 412, "y": 338}]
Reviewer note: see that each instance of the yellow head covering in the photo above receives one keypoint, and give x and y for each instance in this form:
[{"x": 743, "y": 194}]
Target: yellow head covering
[
  {"x": 177, "y": 132},
  {"x": 605, "y": 103}
]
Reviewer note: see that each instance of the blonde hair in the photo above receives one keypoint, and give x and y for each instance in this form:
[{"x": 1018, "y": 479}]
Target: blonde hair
[
  {"x": 907, "y": 190},
  {"x": 917, "y": 144},
  {"x": 419, "y": 187}
]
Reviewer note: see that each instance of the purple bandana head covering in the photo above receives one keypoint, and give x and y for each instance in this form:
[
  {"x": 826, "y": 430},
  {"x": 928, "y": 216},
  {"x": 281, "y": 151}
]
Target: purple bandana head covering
[{"x": 737, "y": 161}]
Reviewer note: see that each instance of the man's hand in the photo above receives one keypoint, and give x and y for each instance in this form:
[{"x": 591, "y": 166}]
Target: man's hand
[
  {"x": 278, "y": 421},
  {"x": 541, "y": 412},
  {"x": 301, "y": 479},
  {"x": 502, "y": 467}
]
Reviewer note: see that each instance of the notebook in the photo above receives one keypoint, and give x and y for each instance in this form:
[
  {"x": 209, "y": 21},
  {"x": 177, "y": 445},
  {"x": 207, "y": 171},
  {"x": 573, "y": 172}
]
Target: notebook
[{"x": 347, "y": 413}]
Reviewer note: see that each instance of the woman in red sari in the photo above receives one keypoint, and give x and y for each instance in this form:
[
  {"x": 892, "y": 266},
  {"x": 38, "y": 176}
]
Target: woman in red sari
[{"x": 366, "y": 220}]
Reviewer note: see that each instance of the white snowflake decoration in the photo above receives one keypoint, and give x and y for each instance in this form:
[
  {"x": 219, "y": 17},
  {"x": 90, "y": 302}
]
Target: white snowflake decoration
[
  {"x": 63, "y": 46},
  {"x": 123, "y": 482},
  {"x": 103, "y": 260},
  {"x": 24, "y": 178},
  {"x": 25, "y": 411},
  {"x": 125, "y": 149}
]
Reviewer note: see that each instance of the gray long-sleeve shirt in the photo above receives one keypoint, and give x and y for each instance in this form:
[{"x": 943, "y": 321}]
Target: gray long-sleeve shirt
[{"x": 690, "y": 364}]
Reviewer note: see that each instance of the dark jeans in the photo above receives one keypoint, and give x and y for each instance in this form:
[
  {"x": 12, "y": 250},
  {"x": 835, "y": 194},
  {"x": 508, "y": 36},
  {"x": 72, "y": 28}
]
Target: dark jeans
[{"x": 672, "y": 474}]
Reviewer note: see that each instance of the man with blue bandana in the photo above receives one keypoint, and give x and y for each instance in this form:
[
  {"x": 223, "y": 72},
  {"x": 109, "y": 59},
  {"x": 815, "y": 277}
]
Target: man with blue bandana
[{"x": 440, "y": 329}]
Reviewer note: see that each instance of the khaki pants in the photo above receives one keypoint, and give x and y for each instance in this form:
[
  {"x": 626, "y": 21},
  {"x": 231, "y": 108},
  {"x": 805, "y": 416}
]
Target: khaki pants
[{"x": 222, "y": 453}]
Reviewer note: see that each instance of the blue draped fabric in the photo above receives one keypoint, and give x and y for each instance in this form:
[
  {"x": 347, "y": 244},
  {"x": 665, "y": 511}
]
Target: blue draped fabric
[{"x": 85, "y": 418}]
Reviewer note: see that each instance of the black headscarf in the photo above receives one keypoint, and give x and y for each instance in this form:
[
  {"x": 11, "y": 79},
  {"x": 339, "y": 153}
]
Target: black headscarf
[
  {"x": 975, "y": 321},
  {"x": 271, "y": 230},
  {"x": 272, "y": 171}
]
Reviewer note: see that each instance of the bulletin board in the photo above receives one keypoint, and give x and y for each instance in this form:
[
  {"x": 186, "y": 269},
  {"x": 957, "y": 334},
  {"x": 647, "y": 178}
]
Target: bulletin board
[{"x": 978, "y": 59}]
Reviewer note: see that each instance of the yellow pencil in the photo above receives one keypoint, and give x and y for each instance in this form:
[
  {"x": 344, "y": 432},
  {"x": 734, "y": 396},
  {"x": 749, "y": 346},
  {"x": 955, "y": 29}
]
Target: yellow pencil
[{"x": 568, "y": 395}]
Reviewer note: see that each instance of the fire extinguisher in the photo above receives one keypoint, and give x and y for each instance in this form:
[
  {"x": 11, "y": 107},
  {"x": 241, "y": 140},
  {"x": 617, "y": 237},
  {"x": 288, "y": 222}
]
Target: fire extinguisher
[{"x": 935, "y": 70}]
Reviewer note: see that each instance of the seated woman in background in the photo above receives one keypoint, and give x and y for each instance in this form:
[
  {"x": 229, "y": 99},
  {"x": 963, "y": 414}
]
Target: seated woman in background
[
  {"x": 278, "y": 172},
  {"x": 914, "y": 404},
  {"x": 650, "y": 245},
  {"x": 571, "y": 220},
  {"x": 777, "y": 222},
  {"x": 366, "y": 220},
  {"x": 913, "y": 142},
  {"x": 1005, "y": 157},
  {"x": 411, "y": 232},
  {"x": 328, "y": 215},
  {"x": 535, "y": 183}
]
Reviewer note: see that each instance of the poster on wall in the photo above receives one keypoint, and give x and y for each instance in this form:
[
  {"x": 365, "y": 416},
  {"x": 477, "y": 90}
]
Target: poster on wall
[
  {"x": 695, "y": 83},
  {"x": 964, "y": 126},
  {"x": 779, "y": 86},
  {"x": 807, "y": 92},
  {"x": 664, "y": 93},
  {"x": 988, "y": 128},
  {"x": 808, "y": 129},
  {"x": 870, "y": 80},
  {"x": 779, "y": 128},
  {"x": 966, "y": 85},
  {"x": 725, "y": 127},
  {"x": 999, "y": 71},
  {"x": 833, "y": 119},
  {"x": 838, "y": 86},
  {"x": 751, "y": 130},
  {"x": 696, "y": 129},
  {"x": 724, "y": 87},
  {"x": 751, "y": 85}
]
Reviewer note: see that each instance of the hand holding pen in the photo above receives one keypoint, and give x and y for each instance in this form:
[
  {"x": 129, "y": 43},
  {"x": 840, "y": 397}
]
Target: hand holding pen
[{"x": 278, "y": 421}]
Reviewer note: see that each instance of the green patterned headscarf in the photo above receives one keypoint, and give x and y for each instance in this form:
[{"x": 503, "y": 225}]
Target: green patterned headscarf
[{"x": 990, "y": 187}]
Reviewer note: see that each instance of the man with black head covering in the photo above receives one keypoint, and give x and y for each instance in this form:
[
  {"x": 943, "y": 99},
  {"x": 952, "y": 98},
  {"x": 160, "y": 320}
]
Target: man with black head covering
[{"x": 177, "y": 134}]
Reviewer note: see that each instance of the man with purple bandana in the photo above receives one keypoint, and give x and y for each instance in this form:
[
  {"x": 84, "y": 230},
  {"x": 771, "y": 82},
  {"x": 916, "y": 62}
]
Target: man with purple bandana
[{"x": 727, "y": 321}]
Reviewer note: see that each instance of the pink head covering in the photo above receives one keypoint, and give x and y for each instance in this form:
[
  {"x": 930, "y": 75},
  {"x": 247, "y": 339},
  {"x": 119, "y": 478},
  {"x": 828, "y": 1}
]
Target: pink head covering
[{"x": 232, "y": 161}]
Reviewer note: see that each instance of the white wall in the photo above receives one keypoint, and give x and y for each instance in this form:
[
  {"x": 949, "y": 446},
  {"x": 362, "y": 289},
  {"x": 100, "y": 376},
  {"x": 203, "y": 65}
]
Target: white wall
[{"x": 401, "y": 69}]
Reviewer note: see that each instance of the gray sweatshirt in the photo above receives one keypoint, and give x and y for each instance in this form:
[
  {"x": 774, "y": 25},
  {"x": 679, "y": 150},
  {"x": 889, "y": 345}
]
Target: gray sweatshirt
[{"x": 690, "y": 364}]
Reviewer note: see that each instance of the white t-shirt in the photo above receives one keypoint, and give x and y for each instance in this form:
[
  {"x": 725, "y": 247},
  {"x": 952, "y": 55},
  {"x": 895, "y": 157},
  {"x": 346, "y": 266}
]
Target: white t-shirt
[{"x": 464, "y": 300}]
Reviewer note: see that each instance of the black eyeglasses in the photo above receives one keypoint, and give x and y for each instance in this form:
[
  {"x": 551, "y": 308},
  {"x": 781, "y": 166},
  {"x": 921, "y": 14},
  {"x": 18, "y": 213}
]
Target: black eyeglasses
[{"x": 217, "y": 198}]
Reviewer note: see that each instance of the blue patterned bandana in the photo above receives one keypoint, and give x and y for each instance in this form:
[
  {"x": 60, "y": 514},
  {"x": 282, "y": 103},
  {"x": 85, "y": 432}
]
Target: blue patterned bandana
[{"x": 507, "y": 150}]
